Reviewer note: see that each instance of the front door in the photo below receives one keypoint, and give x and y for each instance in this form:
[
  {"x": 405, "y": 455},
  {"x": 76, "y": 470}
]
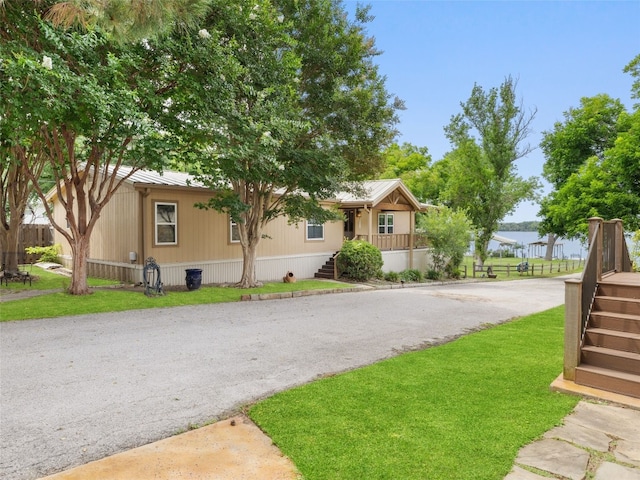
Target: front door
[{"x": 349, "y": 224}]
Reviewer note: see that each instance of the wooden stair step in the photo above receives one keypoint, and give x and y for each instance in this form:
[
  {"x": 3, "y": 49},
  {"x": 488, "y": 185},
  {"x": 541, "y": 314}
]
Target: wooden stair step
[
  {"x": 629, "y": 306},
  {"x": 610, "y": 380},
  {"x": 612, "y": 359},
  {"x": 618, "y": 289},
  {"x": 617, "y": 340},
  {"x": 616, "y": 321}
]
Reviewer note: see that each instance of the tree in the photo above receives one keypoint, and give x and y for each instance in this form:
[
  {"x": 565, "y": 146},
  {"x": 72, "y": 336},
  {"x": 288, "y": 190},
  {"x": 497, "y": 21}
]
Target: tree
[
  {"x": 449, "y": 234},
  {"x": 411, "y": 164},
  {"x": 593, "y": 163},
  {"x": 479, "y": 173},
  {"x": 607, "y": 188},
  {"x": 126, "y": 20},
  {"x": 300, "y": 111},
  {"x": 587, "y": 131},
  {"x": 73, "y": 99},
  {"x": 633, "y": 69}
]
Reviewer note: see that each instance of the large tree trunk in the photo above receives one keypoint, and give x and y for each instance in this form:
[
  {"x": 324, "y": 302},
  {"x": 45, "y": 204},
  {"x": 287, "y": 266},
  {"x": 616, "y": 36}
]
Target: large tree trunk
[
  {"x": 482, "y": 243},
  {"x": 10, "y": 250},
  {"x": 80, "y": 253},
  {"x": 15, "y": 189},
  {"x": 551, "y": 241},
  {"x": 248, "y": 279}
]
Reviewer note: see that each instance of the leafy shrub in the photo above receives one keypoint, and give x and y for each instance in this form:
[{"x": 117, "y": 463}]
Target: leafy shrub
[
  {"x": 412, "y": 275},
  {"x": 47, "y": 254},
  {"x": 448, "y": 232},
  {"x": 433, "y": 274},
  {"x": 392, "y": 277},
  {"x": 360, "y": 260},
  {"x": 453, "y": 272}
]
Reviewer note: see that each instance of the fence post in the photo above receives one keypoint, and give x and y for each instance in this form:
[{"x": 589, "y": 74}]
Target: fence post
[{"x": 572, "y": 327}]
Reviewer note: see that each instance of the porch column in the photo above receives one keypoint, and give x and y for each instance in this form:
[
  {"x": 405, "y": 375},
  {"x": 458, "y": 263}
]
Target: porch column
[
  {"x": 412, "y": 224},
  {"x": 572, "y": 327}
]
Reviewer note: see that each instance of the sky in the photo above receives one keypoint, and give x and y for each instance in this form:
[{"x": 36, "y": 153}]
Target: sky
[{"x": 559, "y": 51}]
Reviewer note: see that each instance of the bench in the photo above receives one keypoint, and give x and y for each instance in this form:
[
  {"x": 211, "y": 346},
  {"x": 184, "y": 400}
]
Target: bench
[{"x": 6, "y": 276}]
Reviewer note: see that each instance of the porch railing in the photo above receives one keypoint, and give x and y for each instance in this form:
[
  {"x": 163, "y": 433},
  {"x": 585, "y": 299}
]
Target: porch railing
[
  {"x": 608, "y": 253},
  {"x": 394, "y": 241}
]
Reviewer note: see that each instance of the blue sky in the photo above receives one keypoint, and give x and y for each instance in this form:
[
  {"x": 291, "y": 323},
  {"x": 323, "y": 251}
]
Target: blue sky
[{"x": 560, "y": 51}]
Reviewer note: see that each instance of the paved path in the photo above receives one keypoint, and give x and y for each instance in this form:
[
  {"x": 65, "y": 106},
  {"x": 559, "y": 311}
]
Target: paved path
[
  {"x": 76, "y": 389},
  {"x": 596, "y": 441}
]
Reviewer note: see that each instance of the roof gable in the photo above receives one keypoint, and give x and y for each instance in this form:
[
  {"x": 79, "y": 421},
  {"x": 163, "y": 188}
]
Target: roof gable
[{"x": 377, "y": 192}]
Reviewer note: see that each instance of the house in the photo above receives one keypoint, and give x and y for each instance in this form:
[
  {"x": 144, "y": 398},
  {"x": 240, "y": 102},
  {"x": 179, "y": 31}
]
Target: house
[{"x": 153, "y": 215}]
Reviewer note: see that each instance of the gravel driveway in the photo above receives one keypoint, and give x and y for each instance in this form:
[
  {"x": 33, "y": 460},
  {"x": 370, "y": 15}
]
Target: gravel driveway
[{"x": 79, "y": 388}]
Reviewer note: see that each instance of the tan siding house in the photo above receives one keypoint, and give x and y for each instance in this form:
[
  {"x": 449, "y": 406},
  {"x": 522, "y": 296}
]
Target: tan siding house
[{"x": 154, "y": 215}]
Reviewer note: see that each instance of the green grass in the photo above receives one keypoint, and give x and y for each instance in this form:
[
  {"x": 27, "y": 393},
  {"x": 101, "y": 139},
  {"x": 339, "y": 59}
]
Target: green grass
[
  {"x": 457, "y": 411},
  {"x": 47, "y": 280},
  {"x": 117, "y": 300}
]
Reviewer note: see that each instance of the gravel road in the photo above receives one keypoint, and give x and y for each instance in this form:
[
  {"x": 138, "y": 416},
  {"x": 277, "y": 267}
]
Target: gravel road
[{"x": 80, "y": 388}]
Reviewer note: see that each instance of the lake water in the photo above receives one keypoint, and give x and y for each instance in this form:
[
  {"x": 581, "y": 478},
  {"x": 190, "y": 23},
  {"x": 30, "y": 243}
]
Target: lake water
[{"x": 564, "y": 248}]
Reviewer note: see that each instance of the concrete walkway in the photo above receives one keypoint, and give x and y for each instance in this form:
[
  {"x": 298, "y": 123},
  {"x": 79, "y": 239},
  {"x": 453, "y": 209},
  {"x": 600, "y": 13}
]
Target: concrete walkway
[{"x": 599, "y": 440}]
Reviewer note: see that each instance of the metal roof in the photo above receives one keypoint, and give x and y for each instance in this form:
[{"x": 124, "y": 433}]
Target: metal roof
[
  {"x": 374, "y": 191},
  {"x": 167, "y": 177}
]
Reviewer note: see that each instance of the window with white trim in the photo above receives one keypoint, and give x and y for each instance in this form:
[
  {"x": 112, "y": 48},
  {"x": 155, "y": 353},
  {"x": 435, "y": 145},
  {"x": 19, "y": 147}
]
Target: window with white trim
[
  {"x": 315, "y": 230},
  {"x": 385, "y": 223},
  {"x": 234, "y": 234},
  {"x": 166, "y": 223}
]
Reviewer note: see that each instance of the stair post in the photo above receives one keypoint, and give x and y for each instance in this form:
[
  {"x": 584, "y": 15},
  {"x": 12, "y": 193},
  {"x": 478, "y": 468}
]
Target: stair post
[
  {"x": 572, "y": 327},
  {"x": 596, "y": 224},
  {"x": 619, "y": 245}
]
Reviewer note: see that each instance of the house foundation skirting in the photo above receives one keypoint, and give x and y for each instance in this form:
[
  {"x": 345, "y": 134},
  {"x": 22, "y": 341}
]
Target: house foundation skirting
[
  {"x": 213, "y": 272},
  {"x": 399, "y": 260},
  {"x": 268, "y": 269}
]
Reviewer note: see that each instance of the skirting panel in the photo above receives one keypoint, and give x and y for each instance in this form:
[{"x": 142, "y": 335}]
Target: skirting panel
[{"x": 267, "y": 269}]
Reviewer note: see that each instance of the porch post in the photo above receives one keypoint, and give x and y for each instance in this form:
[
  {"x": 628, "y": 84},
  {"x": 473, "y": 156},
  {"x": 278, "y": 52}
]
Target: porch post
[
  {"x": 412, "y": 223},
  {"x": 371, "y": 226},
  {"x": 572, "y": 327}
]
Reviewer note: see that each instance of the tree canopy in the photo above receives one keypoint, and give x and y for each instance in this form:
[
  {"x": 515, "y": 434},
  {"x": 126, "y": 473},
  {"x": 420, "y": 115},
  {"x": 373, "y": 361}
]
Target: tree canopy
[
  {"x": 593, "y": 163},
  {"x": 291, "y": 110},
  {"x": 479, "y": 175},
  {"x": 73, "y": 99},
  {"x": 411, "y": 164}
]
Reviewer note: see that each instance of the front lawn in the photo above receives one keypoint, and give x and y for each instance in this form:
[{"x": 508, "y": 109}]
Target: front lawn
[
  {"x": 457, "y": 411},
  {"x": 119, "y": 299}
]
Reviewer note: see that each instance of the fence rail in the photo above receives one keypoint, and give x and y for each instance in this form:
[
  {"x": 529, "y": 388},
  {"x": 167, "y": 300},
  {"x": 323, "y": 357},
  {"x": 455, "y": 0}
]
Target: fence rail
[{"x": 532, "y": 268}]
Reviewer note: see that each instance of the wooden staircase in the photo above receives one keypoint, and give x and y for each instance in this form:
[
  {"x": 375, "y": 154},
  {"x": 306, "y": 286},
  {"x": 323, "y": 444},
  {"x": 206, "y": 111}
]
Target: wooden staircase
[
  {"x": 326, "y": 271},
  {"x": 610, "y": 353}
]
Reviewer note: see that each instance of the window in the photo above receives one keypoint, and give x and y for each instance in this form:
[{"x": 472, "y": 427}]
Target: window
[
  {"x": 166, "y": 223},
  {"x": 234, "y": 235},
  {"x": 315, "y": 231},
  {"x": 385, "y": 223}
]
